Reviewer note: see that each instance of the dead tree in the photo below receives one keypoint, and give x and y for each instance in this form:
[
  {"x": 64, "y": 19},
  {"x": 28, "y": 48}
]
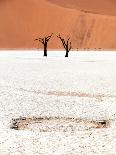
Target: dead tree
[
  {"x": 66, "y": 44},
  {"x": 44, "y": 41}
]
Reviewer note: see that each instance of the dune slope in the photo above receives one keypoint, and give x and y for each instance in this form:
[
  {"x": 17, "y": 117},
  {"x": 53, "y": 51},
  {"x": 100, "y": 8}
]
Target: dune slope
[
  {"x": 105, "y": 7},
  {"x": 23, "y": 21}
]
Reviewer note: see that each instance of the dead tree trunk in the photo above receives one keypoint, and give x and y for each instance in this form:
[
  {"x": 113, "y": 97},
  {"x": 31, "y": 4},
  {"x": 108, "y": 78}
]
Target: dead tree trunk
[
  {"x": 66, "y": 44},
  {"x": 44, "y": 41},
  {"x": 45, "y": 49}
]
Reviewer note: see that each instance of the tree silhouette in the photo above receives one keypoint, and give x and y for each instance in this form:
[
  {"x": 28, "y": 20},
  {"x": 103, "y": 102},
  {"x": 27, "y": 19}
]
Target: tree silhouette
[
  {"x": 66, "y": 44},
  {"x": 44, "y": 41}
]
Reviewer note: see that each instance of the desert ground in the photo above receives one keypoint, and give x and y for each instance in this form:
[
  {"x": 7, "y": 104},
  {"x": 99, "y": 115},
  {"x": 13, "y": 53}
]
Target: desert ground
[
  {"x": 89, "y": 23},
  {"x": 57, "y": 105}
]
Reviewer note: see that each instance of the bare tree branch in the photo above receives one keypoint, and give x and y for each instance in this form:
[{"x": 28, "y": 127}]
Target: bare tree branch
[
  {"x": 40, "y": 40},
  {"x": 62, "y": 40},
  {"x": 70, "y": 47},
  {"x": 49, "y": 37},
  {"x": 44, "y": 40}
]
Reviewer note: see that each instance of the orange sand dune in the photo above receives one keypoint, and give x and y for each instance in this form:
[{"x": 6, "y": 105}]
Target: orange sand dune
[
  {"x": 106, "y": 7},
  {"x": 24, "y": 20}
]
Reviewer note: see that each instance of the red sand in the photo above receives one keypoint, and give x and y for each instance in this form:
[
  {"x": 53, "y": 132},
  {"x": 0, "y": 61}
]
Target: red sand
[{"x": 83, "y": 20}]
